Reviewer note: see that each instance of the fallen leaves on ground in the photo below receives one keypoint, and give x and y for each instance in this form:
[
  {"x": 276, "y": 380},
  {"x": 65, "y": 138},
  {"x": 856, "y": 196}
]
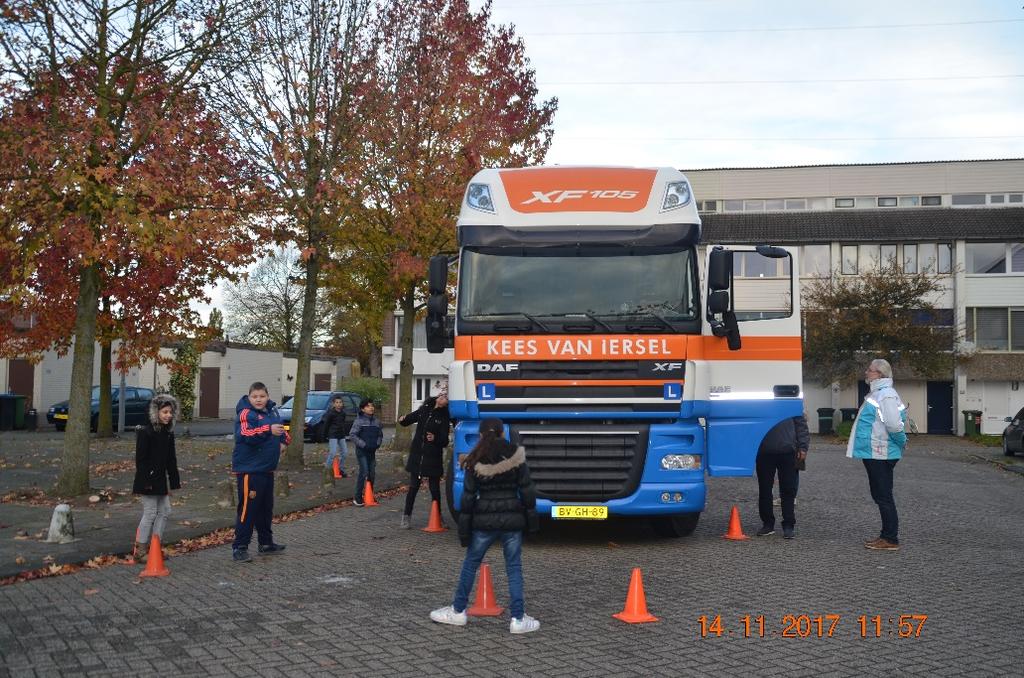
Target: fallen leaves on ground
[
  {"x": 91, "y": 592},
  {"x": 109, "y": 468},
  {"x": 33, "y": 495}
]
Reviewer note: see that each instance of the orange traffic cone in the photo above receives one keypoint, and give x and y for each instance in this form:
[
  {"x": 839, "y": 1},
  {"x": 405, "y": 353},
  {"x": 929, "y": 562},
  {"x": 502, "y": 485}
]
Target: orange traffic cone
[
  {"x": 735, "y": 529},
  {"x": 337, "y": 468},
  {"x": 155, "y": 562},
  {"x": 368, "y": 499},
  {"x": 484, "y": 605},
  {"x": 434, "y": 524},
  {"x": 635, "y": 611}
]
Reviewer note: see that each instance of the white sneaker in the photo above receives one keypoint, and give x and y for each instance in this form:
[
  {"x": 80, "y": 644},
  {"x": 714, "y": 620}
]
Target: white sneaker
[
  {"x": 525, "y": 624},
  {"x": 448, "y": 615}
]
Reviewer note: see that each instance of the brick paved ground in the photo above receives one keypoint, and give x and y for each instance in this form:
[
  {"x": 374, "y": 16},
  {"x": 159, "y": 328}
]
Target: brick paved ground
[{"x": 352, "y": 593}]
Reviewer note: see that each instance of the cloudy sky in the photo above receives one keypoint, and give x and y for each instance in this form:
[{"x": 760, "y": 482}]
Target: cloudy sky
[{"x": 740, "y": 83}]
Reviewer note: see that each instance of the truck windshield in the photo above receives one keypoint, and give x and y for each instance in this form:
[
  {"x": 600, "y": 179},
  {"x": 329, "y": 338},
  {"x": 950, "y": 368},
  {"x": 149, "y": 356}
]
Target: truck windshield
[{"x": 608, "y": 287}]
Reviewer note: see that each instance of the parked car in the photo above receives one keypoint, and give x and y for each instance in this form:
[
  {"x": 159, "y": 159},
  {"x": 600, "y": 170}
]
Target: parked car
[
  {"x": 317, "y": 403},
  {"x": 1013, "y": 435},
  {"x": 136, "y": 408}
]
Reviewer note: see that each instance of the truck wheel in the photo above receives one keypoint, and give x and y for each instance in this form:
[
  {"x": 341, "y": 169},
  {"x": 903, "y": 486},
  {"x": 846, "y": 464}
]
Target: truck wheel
[
  {"x": 678, "y": 525},
  {"x": 449, "y": 494},
  {"x": 1006, "y": 448}
]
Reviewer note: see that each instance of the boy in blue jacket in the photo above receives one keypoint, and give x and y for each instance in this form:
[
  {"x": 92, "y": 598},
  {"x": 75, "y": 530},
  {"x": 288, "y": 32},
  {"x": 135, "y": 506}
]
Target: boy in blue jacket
[
  {"x": 260, "y": 438},
  {"x": 367, "y": 435}
]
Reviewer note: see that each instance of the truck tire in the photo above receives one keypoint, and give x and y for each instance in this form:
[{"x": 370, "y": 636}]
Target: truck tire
[{"x": 678, "y": 525}]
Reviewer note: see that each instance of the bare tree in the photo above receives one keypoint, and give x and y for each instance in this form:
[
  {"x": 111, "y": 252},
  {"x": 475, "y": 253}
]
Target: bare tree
[
  {"x": 265, "y": 307},
  {"x": 292, "y": 110}
]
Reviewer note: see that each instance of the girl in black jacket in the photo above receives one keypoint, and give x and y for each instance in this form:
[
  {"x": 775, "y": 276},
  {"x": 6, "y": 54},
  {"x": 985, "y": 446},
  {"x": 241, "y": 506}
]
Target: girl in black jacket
[
  {"x": 155, "y": 464},
  {"x": 499, "y": 501},
  {"x": 427, "y": 451}
]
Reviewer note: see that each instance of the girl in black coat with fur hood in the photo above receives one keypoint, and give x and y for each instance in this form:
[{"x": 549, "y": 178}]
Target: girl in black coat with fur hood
[
  {"x": 499, "y": 501},
  {"x": 155, "y": 465}
]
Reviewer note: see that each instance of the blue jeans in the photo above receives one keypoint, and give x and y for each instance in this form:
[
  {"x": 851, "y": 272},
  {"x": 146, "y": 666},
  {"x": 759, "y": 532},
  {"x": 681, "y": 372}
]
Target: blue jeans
[
  {"x": 367, "y": 470},
  {"x": 336, "y": 447},
  {"x": 512, "y": 544},
  {"x": 880, "y": 473}
]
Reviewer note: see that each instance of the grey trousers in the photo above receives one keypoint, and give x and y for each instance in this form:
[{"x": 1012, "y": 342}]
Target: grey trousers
[{"x": 155, "y": 510}]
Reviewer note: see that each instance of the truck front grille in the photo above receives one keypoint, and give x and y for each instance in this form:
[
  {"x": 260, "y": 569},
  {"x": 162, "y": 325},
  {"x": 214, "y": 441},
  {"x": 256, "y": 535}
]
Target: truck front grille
[{"x": 583, "y": 462}]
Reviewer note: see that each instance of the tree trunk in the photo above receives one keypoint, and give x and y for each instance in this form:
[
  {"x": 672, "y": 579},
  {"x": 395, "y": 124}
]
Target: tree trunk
[
  {"x": 74, "y": 474},
  {"x": 403, "y": 403},
  {"x": 105, "y": 425},
  {"x": 293, "y": 454},
  {"x": 373, "y": 360}
]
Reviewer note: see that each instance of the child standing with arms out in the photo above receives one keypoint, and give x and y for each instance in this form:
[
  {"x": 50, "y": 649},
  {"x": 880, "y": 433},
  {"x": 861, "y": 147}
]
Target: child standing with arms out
[
  {"x": 499, "y": 501},
  {"x": 367, "y": 435},
  {"x": 259, "y": 440},
  {"x": 334, "y": 431},
  {"x": 155, "y": 464}
]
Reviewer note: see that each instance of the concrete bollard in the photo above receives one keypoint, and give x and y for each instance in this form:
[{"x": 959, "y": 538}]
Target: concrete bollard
[
  {"x": 226, "y": 496},
  {"x": 62, "y": 526}
]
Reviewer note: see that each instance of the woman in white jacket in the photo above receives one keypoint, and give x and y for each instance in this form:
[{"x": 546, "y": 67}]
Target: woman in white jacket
[{"x": 878, "y": 439}]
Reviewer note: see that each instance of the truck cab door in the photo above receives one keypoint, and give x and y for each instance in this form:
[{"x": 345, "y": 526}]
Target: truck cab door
[{"x": 752, "y": 349}]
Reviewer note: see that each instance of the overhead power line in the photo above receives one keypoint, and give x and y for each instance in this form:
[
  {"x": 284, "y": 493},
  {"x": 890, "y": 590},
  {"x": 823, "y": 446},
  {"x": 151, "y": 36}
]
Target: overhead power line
[
  {"x": 661, "y": 139},
  {"x": 787, "y": 81},
  {"x": 788, "y": 29}
]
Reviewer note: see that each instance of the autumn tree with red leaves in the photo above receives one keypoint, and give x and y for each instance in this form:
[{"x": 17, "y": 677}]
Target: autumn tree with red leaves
[
  {"x": 451, "y": 93},
  {"x": 291, "y": 107},
  {"x": 117, "y": 183}
]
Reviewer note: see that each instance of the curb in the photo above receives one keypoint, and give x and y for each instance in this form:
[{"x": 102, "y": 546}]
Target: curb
[{"x": 1012, "y": 468}]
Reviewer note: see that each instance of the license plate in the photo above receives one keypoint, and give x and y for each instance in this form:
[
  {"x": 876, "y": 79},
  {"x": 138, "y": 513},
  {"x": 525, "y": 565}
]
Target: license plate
[
  {"x": 579, "y": 512},
  {"x": 60, "y": 416}
]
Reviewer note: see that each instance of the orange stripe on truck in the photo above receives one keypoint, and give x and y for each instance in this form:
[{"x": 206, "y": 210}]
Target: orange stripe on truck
[
  {"x": 573, "y": 189},
  {"x": 580, "y": 382}
]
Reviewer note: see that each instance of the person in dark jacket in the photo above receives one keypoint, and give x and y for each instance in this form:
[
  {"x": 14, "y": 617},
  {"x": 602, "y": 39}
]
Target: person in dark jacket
[
  {"x": 783, "y": 446},
  {"x": 260, "y": 438},
  {"x": 334, "y": 432},
  {"x": 499, "y": 501},
  {"x": 426, "y": 455},
  {"x": 156, "y": 470},
  {"x": 367, "y": 435}
]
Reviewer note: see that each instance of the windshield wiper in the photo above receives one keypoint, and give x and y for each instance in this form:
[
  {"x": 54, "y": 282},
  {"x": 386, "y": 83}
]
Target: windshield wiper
[
  {"x": 582, "y": 314},
  {"x": 524, "y": 315},
  {"x": 644, "y": 314}
]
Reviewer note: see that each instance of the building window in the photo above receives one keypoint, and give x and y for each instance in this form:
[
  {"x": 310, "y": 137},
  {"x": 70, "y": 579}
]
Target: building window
[
  {"x": 849, "y": 253},
  {"x": 968, "y": 198},
  {"x": 419, "y": 334},
  {"x": 815, "y": 260},
  {"x": 796, "y": 204},
  {"x": 910, "y": 258},
  {"x": 928, "y": 254},
  {"x": 844, "y": 203},
  {"x": 733, "y": 205},
  {"x": 867, "y": 257},
  {"x": 945, "y": 264},
  {"x": 753, "y": 205},
  {"x": 754, "y": 265},
  {"x": 866, "y": 203},
  {"x": 423, "y": 388},
  {"x": 1017, "y": 329},
  {"x": 888, "y": 255},
  {"x": 707, "y": 206},
  {"x": 1017, "y": 257},
  {"x": 909, "y": 201},
  {"x": 931, "y": 200},
  {"x": 887, "y": 202},
  {"x": 774, "y": 205},
  {"x": 1017, "y": 197},
  {"x": 821, "y": 203},
  {"x": 997, "y": 199},
  {"x": 989, "y": 328},
  {"x": 986, "y": 257}
]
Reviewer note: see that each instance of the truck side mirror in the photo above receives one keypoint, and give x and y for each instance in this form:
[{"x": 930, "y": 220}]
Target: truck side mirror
[
  {"x": 718, "y": 301},
  {"x": 719, "y": 269},
  {"x": 437, "y": 279}
]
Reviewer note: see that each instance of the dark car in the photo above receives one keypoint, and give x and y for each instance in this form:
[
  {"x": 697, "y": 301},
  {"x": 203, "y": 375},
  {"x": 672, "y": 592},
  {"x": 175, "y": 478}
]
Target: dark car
[
  {"x": 317, "y": 403},
  {"x": 1013, "y": 435},
  {"x": 136, "y": 408}
]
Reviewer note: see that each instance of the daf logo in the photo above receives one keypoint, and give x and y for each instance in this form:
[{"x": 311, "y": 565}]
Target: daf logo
[
  {"x": 497, "y": 367},
  {"x": 667, "y": 367}
]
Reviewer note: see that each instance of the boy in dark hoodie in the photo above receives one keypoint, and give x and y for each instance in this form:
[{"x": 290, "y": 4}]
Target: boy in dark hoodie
[
  {"x": 260, "y": 438},
  {"x": 367, "y": 435},
  {"x": 156, "y": 471}
]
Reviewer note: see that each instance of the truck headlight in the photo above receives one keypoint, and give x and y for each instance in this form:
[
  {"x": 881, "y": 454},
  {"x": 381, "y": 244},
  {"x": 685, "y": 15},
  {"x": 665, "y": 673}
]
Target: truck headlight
[
  {"x": 478, "y": 196},
  {"x": 677, "y": 194},
  {"x": 680, "y": 462}
]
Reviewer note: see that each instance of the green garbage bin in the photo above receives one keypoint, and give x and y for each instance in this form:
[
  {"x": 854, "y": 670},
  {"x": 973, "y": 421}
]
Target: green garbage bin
[
  {"x": 825, "y": 415},
  {"x": 8, "y": 402},
  {"x": 972, "y": 422},
  {"x": 19, "y": 411},
  {"x": 849, "y": 413}
]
